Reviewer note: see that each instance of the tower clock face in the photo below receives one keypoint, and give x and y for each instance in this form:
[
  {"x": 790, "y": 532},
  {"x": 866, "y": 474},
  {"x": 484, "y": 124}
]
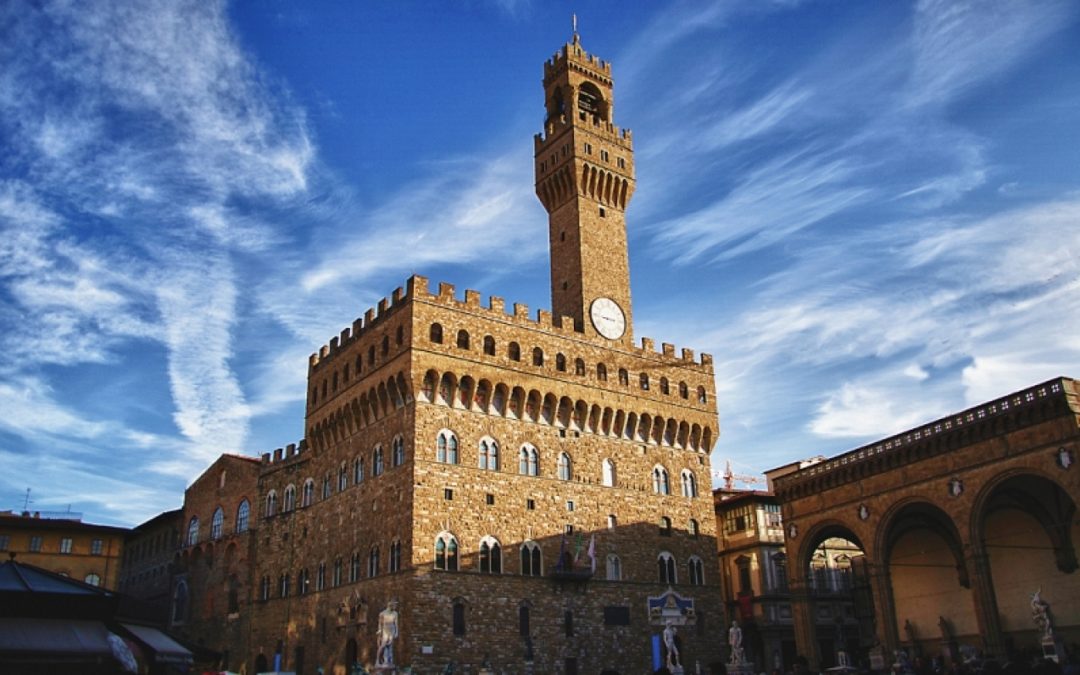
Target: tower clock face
[{"x": 608, "y": 318}]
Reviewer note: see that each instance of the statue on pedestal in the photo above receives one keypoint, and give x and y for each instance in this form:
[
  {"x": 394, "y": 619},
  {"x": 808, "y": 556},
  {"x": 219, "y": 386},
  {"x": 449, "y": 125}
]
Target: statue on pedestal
[
  {"x": 735, "y": 642},
  {"x": 671, "y": 647},
  {"x": 1040, "y": 614},
  {"x": 388, "y": 632}
]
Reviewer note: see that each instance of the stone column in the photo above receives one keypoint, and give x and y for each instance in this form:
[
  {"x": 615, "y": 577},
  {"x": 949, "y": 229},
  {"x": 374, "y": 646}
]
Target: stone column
[
  {"x": 888, "y": 632},
  {"x": 986, "y": 610},
  {"x": 802, "y": 614}
]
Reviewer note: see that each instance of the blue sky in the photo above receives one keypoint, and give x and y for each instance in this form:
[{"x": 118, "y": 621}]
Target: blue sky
[{"x": 868, "y": 212}]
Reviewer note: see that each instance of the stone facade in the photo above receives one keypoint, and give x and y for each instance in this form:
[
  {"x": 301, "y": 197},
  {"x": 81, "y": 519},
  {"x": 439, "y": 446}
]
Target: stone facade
[
  {"x": 475, "y": 463},
  {"x": 147, "y": 568},
  {"x": 961, "y": 520}
]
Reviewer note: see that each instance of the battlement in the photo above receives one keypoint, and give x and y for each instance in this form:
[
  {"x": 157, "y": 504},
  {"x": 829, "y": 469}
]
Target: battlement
[
  {"x": 372, "y": 318},
  {"x": 280, "y": 456},
  {"x": 571, "y": 54},
  {"x": 417, "y": 288},
  {"x": 624, "y": 138}
]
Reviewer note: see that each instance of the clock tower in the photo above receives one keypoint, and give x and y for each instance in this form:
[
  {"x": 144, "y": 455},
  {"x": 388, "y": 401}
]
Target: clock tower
[{"x": 584, "y": 178}]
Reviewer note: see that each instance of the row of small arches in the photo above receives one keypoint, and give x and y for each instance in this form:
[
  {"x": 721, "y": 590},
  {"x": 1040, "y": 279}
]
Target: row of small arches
[
  {"x": 379, "y": 401},
  {"x": 561, "y": 412},
  {"x": 513, "y": 353}
]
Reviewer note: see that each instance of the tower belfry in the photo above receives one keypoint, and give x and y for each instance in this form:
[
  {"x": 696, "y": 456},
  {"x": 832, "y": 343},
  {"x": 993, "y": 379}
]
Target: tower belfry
[{"x": 584, "y": 178}]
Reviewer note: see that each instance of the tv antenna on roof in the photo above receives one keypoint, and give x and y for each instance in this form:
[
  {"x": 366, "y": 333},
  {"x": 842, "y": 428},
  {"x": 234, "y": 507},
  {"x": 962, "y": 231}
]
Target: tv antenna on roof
[{"x": 27, "y": 501}]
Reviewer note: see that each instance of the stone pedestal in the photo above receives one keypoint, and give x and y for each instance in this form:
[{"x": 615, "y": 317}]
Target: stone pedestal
[
  {"x": 744, "y": 668},
  {"x": 1053, "y": 649}
]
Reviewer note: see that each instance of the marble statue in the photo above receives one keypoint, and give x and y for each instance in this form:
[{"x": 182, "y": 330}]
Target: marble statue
[
  {"x": 669, "y": 643},
  {"x": 388, "y": 632},
  {"x": 1040, "y": 614},
  {"x": 735, "y": 642}
]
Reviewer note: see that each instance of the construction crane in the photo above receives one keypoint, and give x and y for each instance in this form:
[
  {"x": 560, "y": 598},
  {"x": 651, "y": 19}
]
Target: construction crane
[{"x": 730, "y": 477}]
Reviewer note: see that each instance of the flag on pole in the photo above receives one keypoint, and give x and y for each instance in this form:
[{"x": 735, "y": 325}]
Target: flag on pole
[{"x": 592, "y": 552}]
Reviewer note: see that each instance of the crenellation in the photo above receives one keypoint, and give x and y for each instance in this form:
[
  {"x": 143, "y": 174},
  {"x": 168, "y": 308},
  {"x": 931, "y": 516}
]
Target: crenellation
[
  {"x": 357, "y": 326},
  {"x": 472, "y": 298},
  {"x": 417, "y": 285},
  {"x": 369, "y": 317},
  {"x": 397, "y": 296},
  {"x": 688, "y": 355},
  {"x": 521, "y": 311},
  {"x": 446, "y": 291},
  {"x": 277, "y": 454},
  {"x": 333, "y": 345},
  {"x": 648, "y": 345},
  {"x": 383, "y": 305},
  {"x": 669, "y": 349},
  {"x": 544, "y": 319},
  {"x": 497, "y": 304}
]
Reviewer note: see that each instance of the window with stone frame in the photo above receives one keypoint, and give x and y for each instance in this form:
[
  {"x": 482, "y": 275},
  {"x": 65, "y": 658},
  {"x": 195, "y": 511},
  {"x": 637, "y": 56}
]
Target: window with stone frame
[
  {"x": 607, "y": 473},
  {"x": 565, "y": 467},
  {"x": 538, "y": 357},
  {"x": 271, "y": 504},
  {"x": 624, "y": 377},
  {"x": 665, "y": 526},
  {"x": 446, "y": 552},
  {"x": 463, "y": 339},
  {"x": 613, "y": 568},
  {"x": 446, "y": 447},
  {"x": 327, "y": 486},
  {"x": 320, "y": 577},
  {"x": 660, "y": 481},
  {"x": 528, "y": 461},
  {"x": 746, "y": 582},
  {"x": 307, "y": 496},
  {"x": 192, "y": 531},
  {"x": 692, "y": 528},
  {"x": 343, "y": 477},
  {"x": 665, "y": 387},
  {"x": 377, "y": 461},
  {"x": 666, "y": 568},
  {"x": 780, "y": 575},
  {"x": 373, "y": 562},
  {"x": 689, "y": 483},
  {"x": 489, "y": 454},
  {"x": 695, "y": 569},
  {"x": 579, "y": 367},
  {"x": 489, "y": 345},
  {"x": 354, "y": 568},
  {"x": 644, "y": 380},
  {"x": 459, "y": 617},
  {"x": 601, "y": 372},
  {"x": 531, "y": 559},
  {"x": 358, "y": 470},
  {"x": 560, "y": 363},
  {"x": 739, "y": 519},
  {"x": 180, "y": 602},
  {"x": 436, "y": 333},
  {"x": 65, "y": 545},
  {"x": 264, "y": 588},
  {"x": 490, "y": 556},
  {"x": 513, "y": 351},
  {"x": 395, "y": 556},
  {"x": 397, "y": 450},
  {"x": 243, "y": 515},
  {"x": 335, "y": 579},
  {"x": 96, "y": 546},
  {"x": 289, "y": 501},
  {"x": 303, "y": 582},
  {"x": 217, "y": 523},
  {"x": 283, "y": 586}
]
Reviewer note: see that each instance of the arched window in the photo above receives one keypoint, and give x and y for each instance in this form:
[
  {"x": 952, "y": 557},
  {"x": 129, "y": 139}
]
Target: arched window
[
  {"x": 489, "y": 454},
  {"x": 446, "y": 447},
  {"x": 531, "y": 560},
  {"x": 288, "y": 503},
  {"x": 665, "y": 564},
  {"x": 689, "y": 483},
  {"x": 371, "y": 356},
  {"x": 334, "y": 380},
  {"x": 692, "y": 528},
  {"x": 354, "y": 568},
  {"x": 271, "y": 504},
  {"x": 395, "y": 556},
  {"x": 702, "y": 397},
  {"x": 243, "y": 513},
  {"x": 601, "y": 372},
  {"x": 608, "y": 473},
  {"x": 565, "y": 467},
  {"x": 459, "y": 617},
  {"x": 513, "y": 351},
  {"x": 665, "y": 387},
  {"x": 303, "y": 582},
  {"x": 560, "y": 363},
  {"x": 358, "y": 470},
  {"x": 398, "y": 450},
  {"x": 283, "y": 586},
  {"x": 307, "y": 497},
  {"x": 385, "y": 345},
  {"x": 684, "y": 391},
  {"x": 180, "y": 602},
  {"x": 92, "y": 579},
  {"x": 490, "y": 556},
  {"x": 359, "y": 364},
  {"x": 780, "y": 576},
  {"x": 665, "y": 526},
  {"x": 217, "y": 523},
  {"x": 614, "y": 568},
  {"x": 446, "y": 552},
  {"x": 400, "y": 335},
  {"x": 579, "y": 367},
  {"x": 528, "y": 463},
  {"x": 327, "y": 486},
  {"x": 624, "y": 377},
  {"x": 538, "y": 356},
  {"x": 436, "y": 333},
  {"x": 696, "y": 569},
  {"x": 661, "y": 485},
  {"x": 489, "y": 345},
  {"x": 264, "y": 588},
  {"x": 193, "y": 531},
  {"x": 373, "y": 562},
  {"x": 335, "y": 579},
  {"x": 342, "y": 477},
  {"x": 644, "y": 379},
  {"x": 377, "y": 461}
]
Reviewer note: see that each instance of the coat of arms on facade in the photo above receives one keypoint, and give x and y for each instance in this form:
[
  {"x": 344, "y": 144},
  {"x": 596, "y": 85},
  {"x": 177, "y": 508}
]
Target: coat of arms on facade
[
  {"x": 1065, "y": 458},
  {"x": 956, "y": 487},
  {"x": 671, "y": 607}
]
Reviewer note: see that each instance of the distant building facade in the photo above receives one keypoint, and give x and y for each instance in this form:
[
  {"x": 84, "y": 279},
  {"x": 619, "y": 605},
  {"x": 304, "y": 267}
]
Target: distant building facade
[
  {"x": 961, "y": 521},
  {"x": 62, "y": 543},
  {"x": 147, "y": 568}
]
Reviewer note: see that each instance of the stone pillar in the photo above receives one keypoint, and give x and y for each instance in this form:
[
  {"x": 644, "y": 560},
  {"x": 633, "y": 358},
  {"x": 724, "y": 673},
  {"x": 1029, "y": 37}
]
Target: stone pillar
[
  {"x": 802, "y": 614},
  {"x": 986, "y": 610},
  {"x": 888, "y": 632}
]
